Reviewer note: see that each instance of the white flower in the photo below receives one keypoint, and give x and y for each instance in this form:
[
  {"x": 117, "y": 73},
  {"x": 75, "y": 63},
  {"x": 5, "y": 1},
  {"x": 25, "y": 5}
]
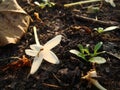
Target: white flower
[
  {"x": 111, "y": 2},
  {"x": 43, "y": 52}
]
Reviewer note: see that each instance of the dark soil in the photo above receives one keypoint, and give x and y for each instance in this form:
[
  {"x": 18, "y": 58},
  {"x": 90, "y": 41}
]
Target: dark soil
[{"x": 66, "y": 75}]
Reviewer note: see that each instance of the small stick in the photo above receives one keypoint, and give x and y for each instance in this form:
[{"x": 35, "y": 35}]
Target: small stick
[
  {"x": 51, "y": 85},
  {"x": 3, "y": 59},
  {"x": 81, "y": 2},
  {"x": 56, "y": 78},
  {"x": 106, "y": 23},
  {"x": 111, "y": 54}
]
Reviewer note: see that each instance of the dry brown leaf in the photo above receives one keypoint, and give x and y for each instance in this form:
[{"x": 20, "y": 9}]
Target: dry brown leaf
[
  {"x": 14, "y": 22},
  {"x": 22, "y": 62}
]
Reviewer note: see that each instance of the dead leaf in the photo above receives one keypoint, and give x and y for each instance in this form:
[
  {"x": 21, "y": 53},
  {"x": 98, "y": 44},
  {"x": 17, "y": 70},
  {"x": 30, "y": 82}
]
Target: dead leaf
[
  {"x": 82, "y": 29},
  {"x": 37, "y": 17},
  {"x": 14, "y": 22},
  {"x": 22, "y": 62}
]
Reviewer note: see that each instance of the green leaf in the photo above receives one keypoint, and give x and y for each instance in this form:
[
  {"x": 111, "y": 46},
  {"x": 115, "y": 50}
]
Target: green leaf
[
  {"x": 78, "y": 54},
  {"x": 97, "y": 47},
  {"x": 99, "y": 30},
  {"x": 98, "y": 60},
  {"x": 80, "y": 46},
  {"x": 74, "y": 52},
  {"x": 81, "y": 55},
  {"x": 87, "y": 51},
  {"x": 110, "y": 28},
  {"x": 52, "y": 3},
  {"x": 42, "y": 5}
]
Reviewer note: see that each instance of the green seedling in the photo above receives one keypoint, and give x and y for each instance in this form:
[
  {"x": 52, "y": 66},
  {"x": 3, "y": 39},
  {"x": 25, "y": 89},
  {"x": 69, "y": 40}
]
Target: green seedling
[
  {"x": 102, "y": 30},
  {"x": 86, "y": 55},
  {"x": 93, "y": 9},
  {"x": 44, "y": 3}
]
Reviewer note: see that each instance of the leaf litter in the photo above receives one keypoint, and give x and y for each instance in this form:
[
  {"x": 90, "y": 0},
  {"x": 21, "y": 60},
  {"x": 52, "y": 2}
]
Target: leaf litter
[{"x": 68, "y": 73}]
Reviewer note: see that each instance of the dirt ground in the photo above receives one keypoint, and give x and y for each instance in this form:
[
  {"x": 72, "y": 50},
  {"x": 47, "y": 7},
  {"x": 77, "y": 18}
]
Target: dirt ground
[{"x": 76, "y": 26}]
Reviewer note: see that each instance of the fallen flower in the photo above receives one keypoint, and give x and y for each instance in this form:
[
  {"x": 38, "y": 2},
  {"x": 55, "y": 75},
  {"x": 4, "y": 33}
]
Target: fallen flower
[
  {"x": 90, "y": 77},
  {"x": 43, "y": 52}
]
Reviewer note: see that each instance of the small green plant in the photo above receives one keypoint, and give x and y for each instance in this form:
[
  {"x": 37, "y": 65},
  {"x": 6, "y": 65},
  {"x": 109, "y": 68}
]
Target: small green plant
[
  {"x": 85, "y": 53},
  {"x": 44, "y": 3},
  {"x": 102, "y": 30},
  {"x": 93, "y": 9}
]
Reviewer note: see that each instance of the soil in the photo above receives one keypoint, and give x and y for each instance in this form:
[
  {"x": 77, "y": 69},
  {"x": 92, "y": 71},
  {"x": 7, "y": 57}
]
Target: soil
[{"x": 76, "y": 26}]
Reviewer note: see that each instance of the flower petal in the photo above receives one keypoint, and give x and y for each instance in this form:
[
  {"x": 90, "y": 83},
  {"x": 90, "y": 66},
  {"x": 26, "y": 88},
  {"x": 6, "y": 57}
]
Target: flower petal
[
  {"x": 36, "y": 64},
  {"x": 31, "y": 52},
  {"x": 36, "y": 47},
  {"x": 53, "y": 42},
  {"x": 50, "y": 57}
]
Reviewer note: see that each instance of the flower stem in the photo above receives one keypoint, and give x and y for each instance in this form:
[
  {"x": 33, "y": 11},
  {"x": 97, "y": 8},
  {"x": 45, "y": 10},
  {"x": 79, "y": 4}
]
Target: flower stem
[{"x": 36, "y": 37}]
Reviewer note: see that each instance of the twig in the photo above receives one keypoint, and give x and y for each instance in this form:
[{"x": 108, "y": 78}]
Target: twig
[
  {"x": 106, "y": 23},
  {"x": 81, "y": 2},
  {"x": 3, "y": 59},
  {"x": 51, "y": 85},
  {"x": 111, "y": 54},
  {"x": 59, "y": 81},
  {"x": 56, "y": 78}
]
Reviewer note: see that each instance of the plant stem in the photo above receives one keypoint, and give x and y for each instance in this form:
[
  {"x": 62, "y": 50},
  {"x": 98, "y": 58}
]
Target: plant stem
[{"x": 81, "y": 2}]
